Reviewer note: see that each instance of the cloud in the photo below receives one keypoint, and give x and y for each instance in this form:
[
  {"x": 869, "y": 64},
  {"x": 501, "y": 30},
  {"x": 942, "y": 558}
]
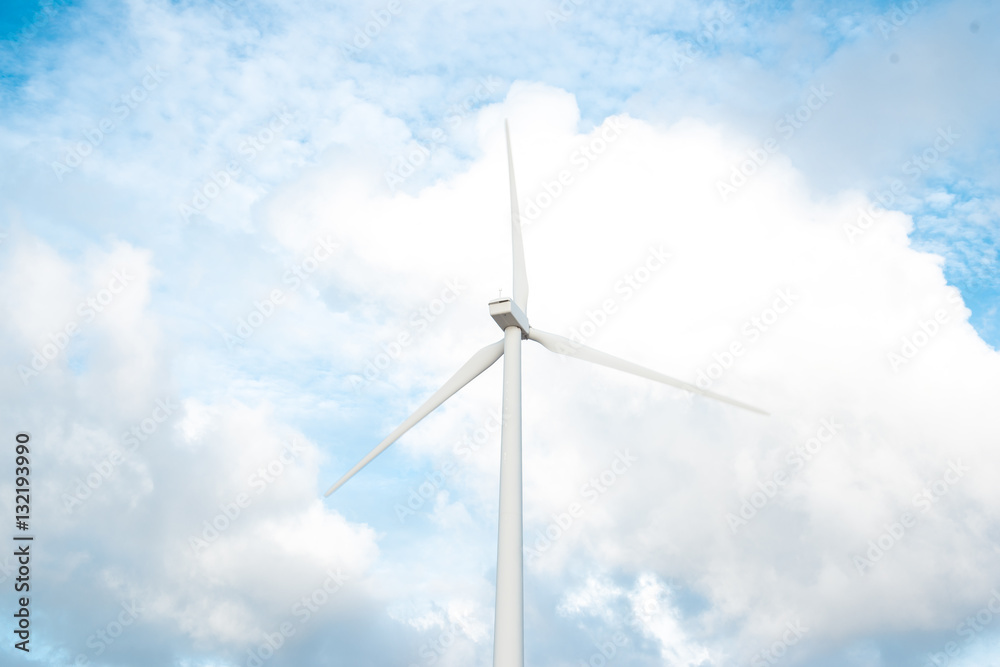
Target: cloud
[
  {"x": 865, "y": 335},
  {"x": 202, "y": 377}
]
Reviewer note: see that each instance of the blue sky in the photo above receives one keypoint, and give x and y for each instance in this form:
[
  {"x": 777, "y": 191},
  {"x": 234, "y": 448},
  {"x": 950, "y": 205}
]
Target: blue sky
[{"x": 242, "y": 241}]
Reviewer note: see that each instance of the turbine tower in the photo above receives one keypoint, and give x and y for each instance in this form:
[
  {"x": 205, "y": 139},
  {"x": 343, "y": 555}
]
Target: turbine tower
[{"x": 510, "y": 315}]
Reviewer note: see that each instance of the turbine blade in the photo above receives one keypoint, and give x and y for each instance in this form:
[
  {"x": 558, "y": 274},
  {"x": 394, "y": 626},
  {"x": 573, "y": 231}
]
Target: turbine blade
[
  {"x": 520, "y": 273},
  {"x": 479, "y": 362},
  {"x": 565, "y": 346}
]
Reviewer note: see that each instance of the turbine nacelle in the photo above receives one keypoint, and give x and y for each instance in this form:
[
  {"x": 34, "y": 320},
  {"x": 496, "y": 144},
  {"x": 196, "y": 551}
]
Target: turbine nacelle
[{"x": 506, "y": 314}]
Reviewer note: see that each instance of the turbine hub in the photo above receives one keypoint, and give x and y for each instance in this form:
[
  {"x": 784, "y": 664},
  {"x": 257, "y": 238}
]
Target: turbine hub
[{"x": 507, "y": 314}]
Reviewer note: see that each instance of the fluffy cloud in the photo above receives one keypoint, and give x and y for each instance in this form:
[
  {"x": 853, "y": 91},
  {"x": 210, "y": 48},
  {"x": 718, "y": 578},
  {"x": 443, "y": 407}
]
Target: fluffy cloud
[{"x": 186, "y": 427}]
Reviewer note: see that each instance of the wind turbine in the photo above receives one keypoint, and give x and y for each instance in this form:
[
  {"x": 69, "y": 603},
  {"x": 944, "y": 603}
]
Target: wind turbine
[{"x": 510, "y": 315}]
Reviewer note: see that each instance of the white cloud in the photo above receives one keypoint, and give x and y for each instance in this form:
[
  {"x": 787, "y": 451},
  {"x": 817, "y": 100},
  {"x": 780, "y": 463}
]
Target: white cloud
[
  {"x": 828, "y": 357},
  {"x": 831, "y": 322}
]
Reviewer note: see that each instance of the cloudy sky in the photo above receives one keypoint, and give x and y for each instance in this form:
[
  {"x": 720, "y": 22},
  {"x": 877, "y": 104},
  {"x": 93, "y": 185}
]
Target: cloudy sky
[{"x": 240, "y": 241}]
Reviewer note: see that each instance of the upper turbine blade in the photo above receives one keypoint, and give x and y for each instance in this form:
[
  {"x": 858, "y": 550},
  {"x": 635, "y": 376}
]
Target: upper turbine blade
[
  {"x": 571, "y": 349},
  {"x": 520, "y": 273},
  {"x": 479, "y": 362}
]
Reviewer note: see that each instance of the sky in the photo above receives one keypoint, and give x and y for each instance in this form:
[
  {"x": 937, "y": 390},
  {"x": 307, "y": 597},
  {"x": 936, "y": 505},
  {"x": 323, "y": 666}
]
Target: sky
[{"x": 241, "y": 241}]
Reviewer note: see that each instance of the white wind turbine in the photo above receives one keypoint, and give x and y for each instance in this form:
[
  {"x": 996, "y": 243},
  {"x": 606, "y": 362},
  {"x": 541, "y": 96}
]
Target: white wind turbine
[{"x": 508, "y": 634}]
